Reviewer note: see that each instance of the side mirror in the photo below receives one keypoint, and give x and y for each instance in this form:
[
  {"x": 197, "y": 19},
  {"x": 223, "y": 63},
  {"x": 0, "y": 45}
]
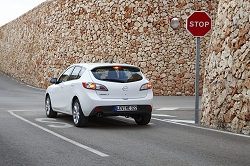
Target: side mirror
[{"x": 53, "y": 80}]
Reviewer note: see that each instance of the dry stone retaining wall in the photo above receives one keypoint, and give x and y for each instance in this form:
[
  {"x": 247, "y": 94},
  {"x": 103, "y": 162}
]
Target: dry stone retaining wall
[
  {"x": 226, "y": 90},
  {"x": 41, "y": 43}
]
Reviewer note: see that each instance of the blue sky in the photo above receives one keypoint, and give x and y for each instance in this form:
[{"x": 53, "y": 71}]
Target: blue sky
[{"x": 11, "y": 9}]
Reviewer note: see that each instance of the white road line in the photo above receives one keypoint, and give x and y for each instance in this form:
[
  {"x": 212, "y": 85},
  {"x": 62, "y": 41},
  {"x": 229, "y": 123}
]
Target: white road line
[
  {"x": 164, "y": 115},
  {"x": 167, "y": 108},
  {"x": 60, "y": 136},
  {"x": 203, "y": 128},
  {"x": 34, "y": 87},
  {"x": 181, "y": 121}
]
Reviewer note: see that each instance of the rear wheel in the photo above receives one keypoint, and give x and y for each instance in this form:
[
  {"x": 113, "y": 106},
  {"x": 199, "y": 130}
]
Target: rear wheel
[
  {"x": 143, "y": 119},
  {"x": 78, "y": 117},
  {"x": 48, "y": 108}
]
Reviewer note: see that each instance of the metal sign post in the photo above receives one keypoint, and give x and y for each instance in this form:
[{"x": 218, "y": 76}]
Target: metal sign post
[
  {"x": 198, "y": 24},
  {"x": 197, "y": 69}
]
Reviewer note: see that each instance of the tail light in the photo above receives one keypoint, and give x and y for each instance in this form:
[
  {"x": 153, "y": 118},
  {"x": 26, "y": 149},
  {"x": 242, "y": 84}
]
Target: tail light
[
  {"x": 94, "y": 86},
  {"x": 146, "y": 86}
]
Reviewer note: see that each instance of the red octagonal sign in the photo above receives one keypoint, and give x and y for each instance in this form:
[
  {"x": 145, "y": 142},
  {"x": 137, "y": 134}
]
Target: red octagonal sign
[{"x": 199, "y": 23}]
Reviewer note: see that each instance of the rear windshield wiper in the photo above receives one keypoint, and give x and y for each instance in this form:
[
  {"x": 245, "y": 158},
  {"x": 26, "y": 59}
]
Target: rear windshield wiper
[{"x": 114, "y": 80}]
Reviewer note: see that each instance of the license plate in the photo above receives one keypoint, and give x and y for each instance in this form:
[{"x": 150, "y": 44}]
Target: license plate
[{"x": 126, "y": 108}]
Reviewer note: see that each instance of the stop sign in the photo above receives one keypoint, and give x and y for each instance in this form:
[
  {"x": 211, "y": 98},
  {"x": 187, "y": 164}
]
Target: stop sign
[{"x": 199, "y": 23}]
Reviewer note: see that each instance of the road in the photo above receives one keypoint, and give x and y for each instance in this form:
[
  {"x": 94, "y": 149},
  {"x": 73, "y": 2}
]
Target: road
[{"x": 28, "y": 138}]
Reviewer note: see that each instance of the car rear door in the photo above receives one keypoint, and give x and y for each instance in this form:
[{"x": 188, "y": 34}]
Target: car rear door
[
  {"x": 59, "y": 90},
  {"x": 69, "y": 89}
]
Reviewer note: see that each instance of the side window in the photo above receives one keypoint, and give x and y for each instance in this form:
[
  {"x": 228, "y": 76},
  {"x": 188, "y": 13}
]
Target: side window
[
  {"x": 75, "y": 74},
  {"x": 64, "y": 77},
  {"x": 81, "y": 72}
]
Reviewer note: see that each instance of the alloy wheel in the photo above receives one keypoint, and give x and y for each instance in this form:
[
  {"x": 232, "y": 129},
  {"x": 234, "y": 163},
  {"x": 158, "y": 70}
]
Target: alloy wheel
[{"x": 76, "y": 112}]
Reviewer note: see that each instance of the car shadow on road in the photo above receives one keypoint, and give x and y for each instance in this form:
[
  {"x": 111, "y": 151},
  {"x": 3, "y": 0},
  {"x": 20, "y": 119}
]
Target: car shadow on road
[{"x": 110, "y": 122}]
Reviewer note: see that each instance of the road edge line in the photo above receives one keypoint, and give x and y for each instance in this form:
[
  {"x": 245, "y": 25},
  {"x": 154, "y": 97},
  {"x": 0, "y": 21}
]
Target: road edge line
[
  {"x": 60, "y": 136},
  {"x": 198, "y": 127}
]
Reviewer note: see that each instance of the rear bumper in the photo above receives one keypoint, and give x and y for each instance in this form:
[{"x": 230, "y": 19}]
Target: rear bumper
[
  {"x": 90, "y": 102},
  {"x": 110, "y": 111}
]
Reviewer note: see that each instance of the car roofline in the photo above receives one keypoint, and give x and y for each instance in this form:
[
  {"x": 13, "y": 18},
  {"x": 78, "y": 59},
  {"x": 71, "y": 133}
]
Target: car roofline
[{"x": 94, "y": 65}]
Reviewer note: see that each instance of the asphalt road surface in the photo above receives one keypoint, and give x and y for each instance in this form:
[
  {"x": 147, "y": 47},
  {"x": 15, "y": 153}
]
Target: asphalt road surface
[{"x": 29, "y": 138}]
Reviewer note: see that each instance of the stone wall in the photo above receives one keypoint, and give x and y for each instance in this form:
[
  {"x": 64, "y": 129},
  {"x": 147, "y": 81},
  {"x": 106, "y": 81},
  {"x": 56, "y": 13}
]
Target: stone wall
[
  {"x": 41, "y": 43},
  {"x": 226, "y": 90}
]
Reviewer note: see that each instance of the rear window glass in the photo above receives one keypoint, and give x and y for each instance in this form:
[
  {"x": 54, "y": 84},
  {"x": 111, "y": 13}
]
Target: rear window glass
[{"x": 121, "y": 74}]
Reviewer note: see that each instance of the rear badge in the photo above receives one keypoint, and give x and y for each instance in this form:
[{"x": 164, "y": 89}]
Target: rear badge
[{"x": 125, "y": 88}]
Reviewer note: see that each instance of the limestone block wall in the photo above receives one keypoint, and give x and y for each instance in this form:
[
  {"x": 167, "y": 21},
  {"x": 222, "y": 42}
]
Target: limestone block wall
[
  {"x": 41, "y": 43},
  {"x": 226, "y": 89}
]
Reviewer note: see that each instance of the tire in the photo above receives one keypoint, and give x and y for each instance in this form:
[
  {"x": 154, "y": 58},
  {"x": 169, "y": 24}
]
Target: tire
[
  {"x": 78, "y": 117},
  {"x": 143, "y": 119},
  {"x": 48, "y": 108}
]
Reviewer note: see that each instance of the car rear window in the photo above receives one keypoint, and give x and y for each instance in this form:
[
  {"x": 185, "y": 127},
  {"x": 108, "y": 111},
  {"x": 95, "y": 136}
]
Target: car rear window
[{"x": 120, "y": 74}]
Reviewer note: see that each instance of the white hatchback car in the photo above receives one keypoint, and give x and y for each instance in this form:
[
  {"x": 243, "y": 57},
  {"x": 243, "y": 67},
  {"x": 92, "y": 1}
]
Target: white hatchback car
[{"x": 100, "y": 89}]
